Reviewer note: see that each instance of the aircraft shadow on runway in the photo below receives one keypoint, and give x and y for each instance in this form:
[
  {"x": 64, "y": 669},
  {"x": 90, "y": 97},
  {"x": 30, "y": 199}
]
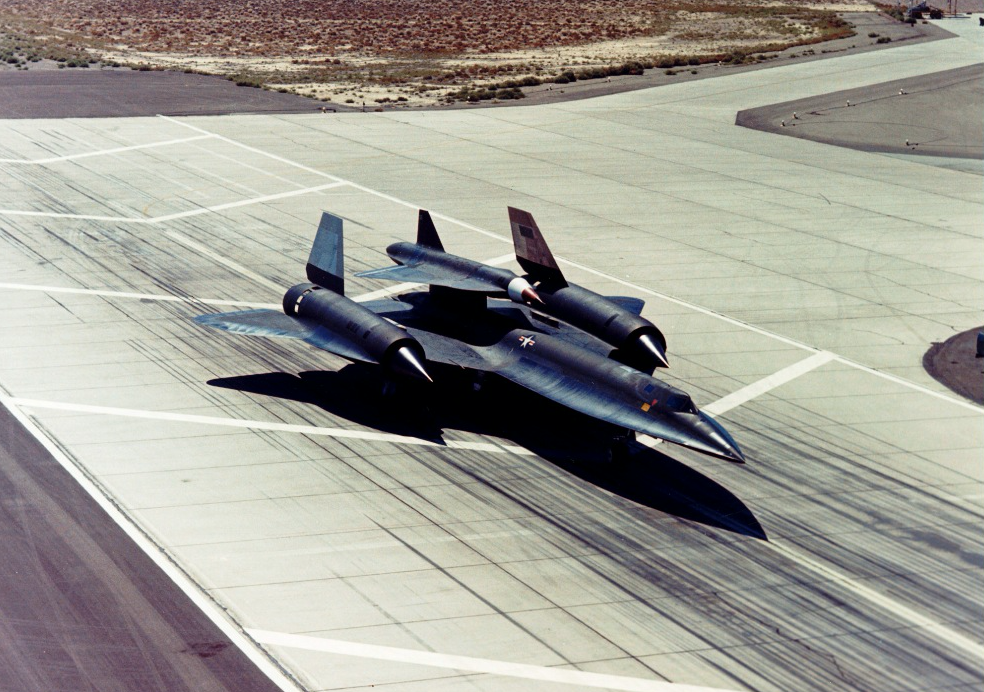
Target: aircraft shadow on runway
[{"x": 502, "y": 409}]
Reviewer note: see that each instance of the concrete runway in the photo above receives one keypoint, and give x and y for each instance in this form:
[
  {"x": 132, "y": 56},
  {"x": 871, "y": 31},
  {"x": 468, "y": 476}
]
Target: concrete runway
[
  {"x": 796, "y": 282},
  {"x": 82, "y": 607}
]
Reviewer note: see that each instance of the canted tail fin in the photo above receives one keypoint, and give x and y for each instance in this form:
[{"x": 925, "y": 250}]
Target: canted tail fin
[
  {"x": 325, "y": 266},
  {"x": 532, "y": 252},
  {"x": 427, "y": 233}
]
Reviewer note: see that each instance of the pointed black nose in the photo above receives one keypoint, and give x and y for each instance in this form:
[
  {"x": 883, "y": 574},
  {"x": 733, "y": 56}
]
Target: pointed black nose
[{"x": 717, "y": 441}]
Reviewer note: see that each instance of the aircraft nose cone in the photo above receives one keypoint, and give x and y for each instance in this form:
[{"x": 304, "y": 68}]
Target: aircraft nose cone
[
  {"x": 732, "y": 454},
  {"x": 652, "y": 347},
  {"x": 717, "y": 441},
  {"x": 406, "y": 363}
]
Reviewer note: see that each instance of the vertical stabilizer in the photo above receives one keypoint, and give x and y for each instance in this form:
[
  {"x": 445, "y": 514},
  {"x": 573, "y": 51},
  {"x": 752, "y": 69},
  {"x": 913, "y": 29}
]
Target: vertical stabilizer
[
  {"x": 426, "y": 233},
  {"x": 325, "y": 265},
  {"x": 532, "y": 252}
]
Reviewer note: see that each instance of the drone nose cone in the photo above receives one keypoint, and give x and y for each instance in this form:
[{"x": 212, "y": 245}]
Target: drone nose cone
[
  {"x": 529, "y": 295},
  {"x": 520, "y": 291},
  {"x": 646, "y": 342},
  {"x": 717, "y": 441},
  {"x": 405, "y": 362}
]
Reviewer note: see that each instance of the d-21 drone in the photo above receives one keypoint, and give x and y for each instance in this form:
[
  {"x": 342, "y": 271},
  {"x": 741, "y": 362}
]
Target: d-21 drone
[{"x": 592, "y": 353}]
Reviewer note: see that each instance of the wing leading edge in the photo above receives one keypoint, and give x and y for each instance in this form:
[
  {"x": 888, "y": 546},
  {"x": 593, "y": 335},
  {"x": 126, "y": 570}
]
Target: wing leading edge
[{"x": 277, "y": 325}]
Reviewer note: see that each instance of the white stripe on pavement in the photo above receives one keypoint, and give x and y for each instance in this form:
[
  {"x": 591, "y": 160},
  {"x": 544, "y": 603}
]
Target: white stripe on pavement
[{"x": 472, "y": 665}]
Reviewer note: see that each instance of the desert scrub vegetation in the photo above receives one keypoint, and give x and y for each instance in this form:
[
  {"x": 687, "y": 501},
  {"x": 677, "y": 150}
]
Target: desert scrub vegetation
[
  {"x": 423, "y": 50},
  {"x": 22, "y": 50},
  {"x": 262, "y": 27},
  {"x": 894, "y": 10},
  {"x": 434, "y": 27}
]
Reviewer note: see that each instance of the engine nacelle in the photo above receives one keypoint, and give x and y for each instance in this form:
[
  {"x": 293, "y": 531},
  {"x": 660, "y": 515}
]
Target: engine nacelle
[
  {"x": 639, "y": 342},
  {"x": 364, "y": 332}
]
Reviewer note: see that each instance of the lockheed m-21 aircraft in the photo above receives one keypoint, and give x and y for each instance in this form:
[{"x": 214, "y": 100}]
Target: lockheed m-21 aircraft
[{"x": 592, "y": 353}]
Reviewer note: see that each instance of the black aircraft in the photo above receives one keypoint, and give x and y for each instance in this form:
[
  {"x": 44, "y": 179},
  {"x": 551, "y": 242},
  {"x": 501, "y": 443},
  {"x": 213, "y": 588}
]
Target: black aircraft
[{"x": 591, "y": 353}]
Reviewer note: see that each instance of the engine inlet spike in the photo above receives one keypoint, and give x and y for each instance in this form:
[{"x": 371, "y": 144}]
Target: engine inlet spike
[
  {"x": 406, "y": 363},
  {"x": 655, "y": 349}
]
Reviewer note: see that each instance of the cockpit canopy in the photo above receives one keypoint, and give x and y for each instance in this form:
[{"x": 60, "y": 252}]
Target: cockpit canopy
[
  {"x": 667, "y": 398},
  {"x": 680, "y": 402}
]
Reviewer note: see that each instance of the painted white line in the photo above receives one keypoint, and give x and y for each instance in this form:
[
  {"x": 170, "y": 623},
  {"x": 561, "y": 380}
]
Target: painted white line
[
  {"x": 677, "y": 301},
  {"x": 267, "y": 154},
  {"x": 901, "y": 611},
  {"x": 766, "y": 384},
  {"x": 77, "y": 217},
  {"x": 910, "y": 384},
  {"x": 235, "y": 267},
  {"x": 470, "y": 664},
  {"x": 104, "y": 152},
  {"x": 244, "y": 202},
  {"x": 151, "y": 220},
  {"x": 156, "y": 553},
  {"x": 258, "y": 425},
  {"x": 136, "y": 296}
]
